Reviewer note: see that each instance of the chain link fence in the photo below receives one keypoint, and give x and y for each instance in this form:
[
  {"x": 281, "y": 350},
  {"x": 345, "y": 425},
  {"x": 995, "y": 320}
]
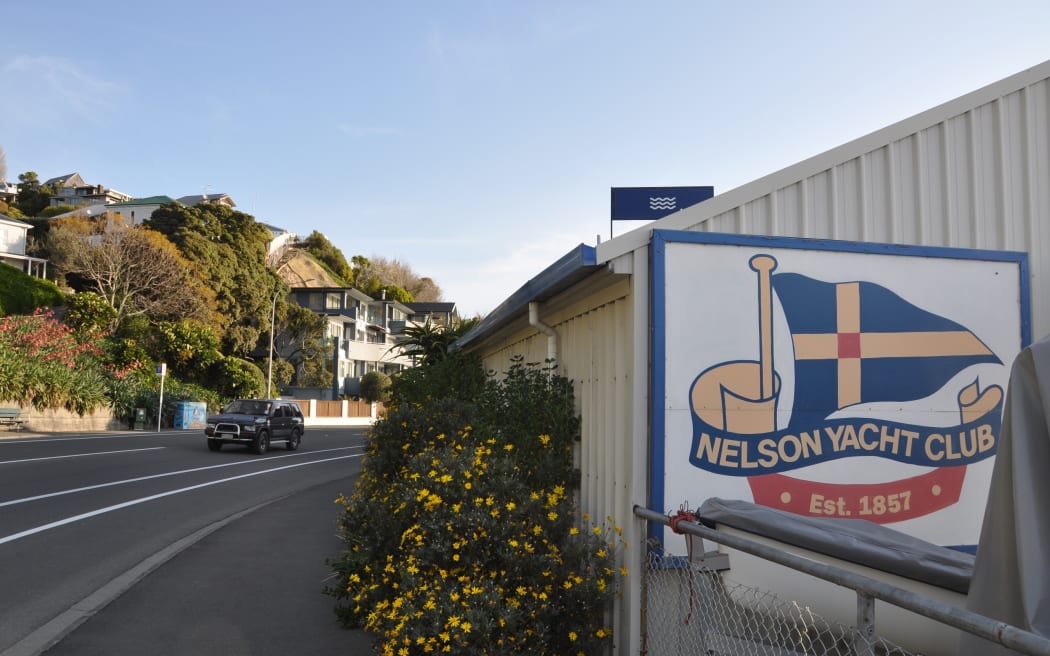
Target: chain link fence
[{"x": 692, "y": 609}]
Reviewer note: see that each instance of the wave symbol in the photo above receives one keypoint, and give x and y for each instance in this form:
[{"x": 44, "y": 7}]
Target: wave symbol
[{"x": 667, "y": 203}]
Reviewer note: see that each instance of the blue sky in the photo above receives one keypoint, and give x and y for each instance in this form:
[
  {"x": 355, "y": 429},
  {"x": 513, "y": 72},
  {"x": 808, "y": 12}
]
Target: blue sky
[{"x": 474, "y": 141}]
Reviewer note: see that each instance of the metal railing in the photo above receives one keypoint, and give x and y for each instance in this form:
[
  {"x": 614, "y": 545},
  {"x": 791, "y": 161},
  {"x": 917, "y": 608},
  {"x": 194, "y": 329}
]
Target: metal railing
[{"x": 867, "y": 591}]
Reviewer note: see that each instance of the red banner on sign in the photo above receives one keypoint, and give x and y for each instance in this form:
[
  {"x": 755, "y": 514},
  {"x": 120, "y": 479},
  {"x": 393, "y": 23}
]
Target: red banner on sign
[{"x": 882, "y": 503}]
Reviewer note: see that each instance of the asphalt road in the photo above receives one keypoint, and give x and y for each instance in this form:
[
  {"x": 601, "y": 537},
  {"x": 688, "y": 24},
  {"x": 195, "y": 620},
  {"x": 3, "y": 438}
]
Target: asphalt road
[{"x": 141, "y": 542}]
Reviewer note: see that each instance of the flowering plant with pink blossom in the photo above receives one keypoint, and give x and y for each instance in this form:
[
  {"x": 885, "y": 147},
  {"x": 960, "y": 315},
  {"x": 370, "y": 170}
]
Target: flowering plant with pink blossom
[{"x": 45, "y": 364}]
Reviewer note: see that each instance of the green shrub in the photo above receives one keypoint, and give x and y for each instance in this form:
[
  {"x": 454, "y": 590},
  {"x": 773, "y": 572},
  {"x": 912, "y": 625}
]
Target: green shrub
[
  {"x": 21, "y": 294},
  {"x": 375, "y": 387},
  {"x": 457, "y": 376},
  {"x": 143, "y": 391},
  {"x": 461, "y": 535},
  {"x": 236, "y": 378},
  {"x": 88, "y": 313}
]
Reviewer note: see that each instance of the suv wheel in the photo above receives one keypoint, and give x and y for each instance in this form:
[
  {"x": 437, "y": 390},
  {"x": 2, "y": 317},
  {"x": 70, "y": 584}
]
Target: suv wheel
[
  {"x": 262, "y": 442},
  {"x": 214, "y": 445},
  {"x": 293, "y": 440}
]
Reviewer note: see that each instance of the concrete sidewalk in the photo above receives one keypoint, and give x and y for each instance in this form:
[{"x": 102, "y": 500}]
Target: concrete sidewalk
[{"x": 252, "y": 587}]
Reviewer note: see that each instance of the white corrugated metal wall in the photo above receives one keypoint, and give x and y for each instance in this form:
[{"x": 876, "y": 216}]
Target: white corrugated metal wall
[{"x": 969, "y": 177}]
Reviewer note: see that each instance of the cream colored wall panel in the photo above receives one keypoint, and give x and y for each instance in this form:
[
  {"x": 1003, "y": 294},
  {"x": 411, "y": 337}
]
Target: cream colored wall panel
[
  {"x": 788, "y": 215},
  {"x": 594, "y": 347},
  {"x": 909, "y": 174}
]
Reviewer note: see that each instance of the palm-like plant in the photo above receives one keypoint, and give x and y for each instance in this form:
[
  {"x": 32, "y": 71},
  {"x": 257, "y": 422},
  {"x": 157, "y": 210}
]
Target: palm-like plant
[{"x": 428, "y": 342}]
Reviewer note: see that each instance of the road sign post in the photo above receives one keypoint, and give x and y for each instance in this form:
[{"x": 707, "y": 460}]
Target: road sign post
[{"x": 162, "y": 369}]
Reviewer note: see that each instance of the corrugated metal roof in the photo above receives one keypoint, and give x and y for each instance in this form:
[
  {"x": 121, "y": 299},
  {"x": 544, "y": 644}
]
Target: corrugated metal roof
[{"x": 570, "y": 268}]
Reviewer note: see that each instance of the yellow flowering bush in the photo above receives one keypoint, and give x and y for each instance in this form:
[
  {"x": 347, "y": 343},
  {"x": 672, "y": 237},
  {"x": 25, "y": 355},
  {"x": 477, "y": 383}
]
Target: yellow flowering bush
[{"x": 461, "y": 536}]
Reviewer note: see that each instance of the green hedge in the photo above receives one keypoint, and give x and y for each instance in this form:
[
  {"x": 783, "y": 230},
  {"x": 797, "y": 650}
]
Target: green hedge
[{"x": 21, "y": 294}]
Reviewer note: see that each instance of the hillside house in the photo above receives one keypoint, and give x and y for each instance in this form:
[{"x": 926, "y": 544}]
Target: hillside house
[
  {"x": 8, "y": 191},
  {"x": 71, "y": 189},
  {"x": 13, "y": 247},
  {"x": 438, "y": 313}
]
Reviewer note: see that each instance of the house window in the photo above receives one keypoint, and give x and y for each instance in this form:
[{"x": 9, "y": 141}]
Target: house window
[{"x": 333, "y": 301}]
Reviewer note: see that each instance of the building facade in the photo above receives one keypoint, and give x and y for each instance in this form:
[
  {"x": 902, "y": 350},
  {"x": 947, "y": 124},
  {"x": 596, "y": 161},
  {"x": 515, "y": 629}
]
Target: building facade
[{"x": 363, "y": 333}]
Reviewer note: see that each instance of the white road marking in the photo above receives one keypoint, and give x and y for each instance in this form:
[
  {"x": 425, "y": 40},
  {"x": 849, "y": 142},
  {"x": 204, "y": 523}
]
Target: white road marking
[
  {"x": 135, "y": 502},
  {"x": 152, "y": 476},
  {"x": 81, "y": 455},
  {"x": 100, "y": 436}
]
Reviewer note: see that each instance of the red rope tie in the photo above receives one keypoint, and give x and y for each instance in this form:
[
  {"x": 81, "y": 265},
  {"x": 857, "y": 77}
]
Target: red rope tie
[
  {"x": 684, "y": 515},
  {"x": 679, "y": 517}
]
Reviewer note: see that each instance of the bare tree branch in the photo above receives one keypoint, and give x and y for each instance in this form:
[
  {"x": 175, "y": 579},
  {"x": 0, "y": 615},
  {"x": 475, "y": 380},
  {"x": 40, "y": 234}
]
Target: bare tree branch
[{"x": 137, "y": 271}]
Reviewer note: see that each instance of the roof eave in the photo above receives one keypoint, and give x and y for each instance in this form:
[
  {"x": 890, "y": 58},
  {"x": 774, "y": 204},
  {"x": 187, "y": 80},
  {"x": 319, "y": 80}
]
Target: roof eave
[{"x": 566, "y": 271}]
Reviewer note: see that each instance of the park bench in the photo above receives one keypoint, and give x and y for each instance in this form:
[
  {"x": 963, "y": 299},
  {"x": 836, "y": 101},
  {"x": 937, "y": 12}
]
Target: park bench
[{"x": 12, "y": 417}]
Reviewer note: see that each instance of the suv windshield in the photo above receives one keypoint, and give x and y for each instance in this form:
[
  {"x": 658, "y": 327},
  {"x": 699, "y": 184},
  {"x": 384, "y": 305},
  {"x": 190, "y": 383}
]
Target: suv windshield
[{"x": 248, "y": 408}]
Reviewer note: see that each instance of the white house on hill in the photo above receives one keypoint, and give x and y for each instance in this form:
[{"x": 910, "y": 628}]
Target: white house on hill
[{"x": 13, "y": 247}]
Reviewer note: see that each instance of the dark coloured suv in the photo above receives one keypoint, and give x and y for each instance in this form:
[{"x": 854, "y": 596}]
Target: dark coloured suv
[{"x": 257, "y": 423}]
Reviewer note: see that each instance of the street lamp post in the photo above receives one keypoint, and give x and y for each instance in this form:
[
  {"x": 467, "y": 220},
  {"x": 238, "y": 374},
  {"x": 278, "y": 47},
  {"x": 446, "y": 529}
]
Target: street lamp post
[
  {"x": 269, "y": 367},
  {"x": 273, "y": 328}
]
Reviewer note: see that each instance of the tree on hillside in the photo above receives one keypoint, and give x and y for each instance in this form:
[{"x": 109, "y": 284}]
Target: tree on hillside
[
  {"x": 227, "y": 250},
  {"x": 426, "y": 290},
  {"x": 362, "y": 277},
  {"x": 32, "y": 196},
  {"x": 385, "y": 272},
  {"x": 395, "y": 293},
  {"x": 328, "y": 255},
  {"x": 137, "y": 271},
  {"x": 188, "y": 347},
  {"x": 299, "y": 341}
]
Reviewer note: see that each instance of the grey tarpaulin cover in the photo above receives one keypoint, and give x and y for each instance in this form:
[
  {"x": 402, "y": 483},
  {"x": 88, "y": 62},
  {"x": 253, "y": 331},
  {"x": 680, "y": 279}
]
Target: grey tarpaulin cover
[
  {"x": 853, "y": 540},
  {"x": 1011, "y": 580}
]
